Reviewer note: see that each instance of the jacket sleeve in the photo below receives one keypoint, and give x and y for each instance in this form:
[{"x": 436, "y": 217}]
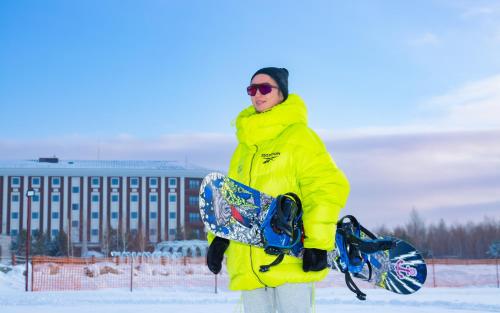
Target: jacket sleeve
[{"x": 324, "y": 191}]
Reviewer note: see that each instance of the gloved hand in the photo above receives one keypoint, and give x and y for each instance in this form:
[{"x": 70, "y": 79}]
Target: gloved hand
[
  {"x": 215, "y": 254},
  {"x": 314, "y": 260}
]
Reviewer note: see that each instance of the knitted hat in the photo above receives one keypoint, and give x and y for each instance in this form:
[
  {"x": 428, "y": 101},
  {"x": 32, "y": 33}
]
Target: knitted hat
[{"x": 280, "y": 76}]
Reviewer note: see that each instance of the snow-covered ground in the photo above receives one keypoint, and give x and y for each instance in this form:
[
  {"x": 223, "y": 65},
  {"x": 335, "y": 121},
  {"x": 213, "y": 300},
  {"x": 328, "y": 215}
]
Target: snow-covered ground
[
  {"x": 203, "y": 299},
  {"x": 192, "y": 300}
]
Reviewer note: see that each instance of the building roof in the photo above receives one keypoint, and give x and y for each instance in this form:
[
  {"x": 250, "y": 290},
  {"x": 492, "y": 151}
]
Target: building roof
[
  {"x": 98, "y": 166},
  {"x": 122, "y": 164}
]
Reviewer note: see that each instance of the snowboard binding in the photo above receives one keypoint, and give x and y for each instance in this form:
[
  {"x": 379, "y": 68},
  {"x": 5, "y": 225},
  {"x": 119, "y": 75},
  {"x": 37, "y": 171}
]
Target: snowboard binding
[
  {"x": 282, "y": 229},
  {"x": 354, "y": 244}
]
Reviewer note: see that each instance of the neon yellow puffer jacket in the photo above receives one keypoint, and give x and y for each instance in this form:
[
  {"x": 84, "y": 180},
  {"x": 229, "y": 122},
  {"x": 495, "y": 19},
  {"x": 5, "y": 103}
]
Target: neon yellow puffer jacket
[{"x": 277, "y": 153}]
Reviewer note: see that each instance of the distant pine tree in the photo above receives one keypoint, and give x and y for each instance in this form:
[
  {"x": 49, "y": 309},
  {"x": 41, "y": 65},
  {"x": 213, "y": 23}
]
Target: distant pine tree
[
  {"x": 494, "y": 249},
  {"x": 18, "y": 245},
  {"x": 61, "y": 244},
  {"x": 39, "y": 243}
]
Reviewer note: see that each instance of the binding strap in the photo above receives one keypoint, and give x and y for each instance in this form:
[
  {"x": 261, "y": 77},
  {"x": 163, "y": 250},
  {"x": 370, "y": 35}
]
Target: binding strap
[{"x": 352, "y": 287}]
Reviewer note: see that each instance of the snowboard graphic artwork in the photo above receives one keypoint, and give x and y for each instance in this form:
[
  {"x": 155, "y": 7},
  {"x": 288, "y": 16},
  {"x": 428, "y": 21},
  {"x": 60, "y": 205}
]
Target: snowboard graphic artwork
[{"x": 232, "y": 210}]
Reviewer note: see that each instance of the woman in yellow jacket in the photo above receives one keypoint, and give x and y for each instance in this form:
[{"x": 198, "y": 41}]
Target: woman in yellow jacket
[{"x": 278, "y": 153}]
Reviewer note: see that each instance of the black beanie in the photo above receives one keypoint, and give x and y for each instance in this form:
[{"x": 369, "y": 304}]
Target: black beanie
[{"x": 280, "y": 75}]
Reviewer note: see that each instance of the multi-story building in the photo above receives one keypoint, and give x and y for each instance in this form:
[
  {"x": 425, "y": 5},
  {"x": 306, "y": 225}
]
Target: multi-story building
[{"x": 88, "y": 199}]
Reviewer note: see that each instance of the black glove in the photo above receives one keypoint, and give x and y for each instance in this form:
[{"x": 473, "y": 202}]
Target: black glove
[
  {"x": 215, "y": 254},
  {"x": 314, "y": 260}
]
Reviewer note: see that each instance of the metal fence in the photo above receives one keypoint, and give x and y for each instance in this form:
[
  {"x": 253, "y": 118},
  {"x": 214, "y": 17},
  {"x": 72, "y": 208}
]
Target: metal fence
[{"x": 49, "y": 273}]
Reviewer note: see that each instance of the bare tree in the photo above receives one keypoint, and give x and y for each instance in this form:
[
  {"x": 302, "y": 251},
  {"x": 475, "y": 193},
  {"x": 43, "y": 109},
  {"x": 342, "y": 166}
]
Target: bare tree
[{"x": 470, "y": 240}]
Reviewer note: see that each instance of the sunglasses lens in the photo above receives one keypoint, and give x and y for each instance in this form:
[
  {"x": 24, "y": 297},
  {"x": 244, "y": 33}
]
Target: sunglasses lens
[
  {"x": 265, "y": 89},
  {"x": 251, "y": 90}
]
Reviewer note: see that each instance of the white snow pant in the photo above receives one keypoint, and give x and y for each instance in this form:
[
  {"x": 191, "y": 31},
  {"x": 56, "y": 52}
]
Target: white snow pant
[{"x": 287, "y": 298}]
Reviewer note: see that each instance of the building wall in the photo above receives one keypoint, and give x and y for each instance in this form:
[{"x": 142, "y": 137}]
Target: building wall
[
  {"x": 87, "y": 207},
  {"x": 192, "y": 211}
]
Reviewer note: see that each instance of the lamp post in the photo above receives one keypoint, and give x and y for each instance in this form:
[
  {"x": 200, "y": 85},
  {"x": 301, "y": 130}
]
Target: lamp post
[{"x": 29, "y": 194}]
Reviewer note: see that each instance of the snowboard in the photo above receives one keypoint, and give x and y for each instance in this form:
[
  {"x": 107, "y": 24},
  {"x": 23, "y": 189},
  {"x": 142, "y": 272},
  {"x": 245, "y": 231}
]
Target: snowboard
[{"x": 232, "y": 210}]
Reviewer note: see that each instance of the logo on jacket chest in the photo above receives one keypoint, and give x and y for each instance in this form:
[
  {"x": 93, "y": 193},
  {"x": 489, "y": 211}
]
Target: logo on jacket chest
[{"x": 269, "y": 157}]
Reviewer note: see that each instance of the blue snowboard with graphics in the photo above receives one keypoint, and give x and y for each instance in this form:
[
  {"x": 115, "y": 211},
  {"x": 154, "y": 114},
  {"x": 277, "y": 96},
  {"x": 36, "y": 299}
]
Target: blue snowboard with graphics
[{"x": 232, "y": 210}]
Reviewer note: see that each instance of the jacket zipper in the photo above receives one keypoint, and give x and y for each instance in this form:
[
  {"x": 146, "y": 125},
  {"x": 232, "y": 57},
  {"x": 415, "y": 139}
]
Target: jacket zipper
[
  {"x": 250, "y": 184},
  {"x": 251, "y": 166}
]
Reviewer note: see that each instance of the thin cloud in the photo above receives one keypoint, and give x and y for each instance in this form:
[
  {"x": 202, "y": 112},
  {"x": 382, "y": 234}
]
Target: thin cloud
[
  {"x": 477, "y": 12},
  {"x": 480, "y": 11},
  {"x": 389, "y": 173},
  {"x": 475, "y": 105},
  {"x": 427, "y": 39}
]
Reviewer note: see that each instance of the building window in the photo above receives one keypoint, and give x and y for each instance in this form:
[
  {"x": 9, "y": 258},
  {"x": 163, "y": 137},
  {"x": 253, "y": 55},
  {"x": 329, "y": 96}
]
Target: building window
[
  {"x": 36, "y": 198},
  {"x": 153, "y": 198},
  {"x": 95, "y": 198},
  {"x": 13, "y": 232},
  {"x": 34, "y": 232},
  {"x": 95, "y": 232},
  {"x": 172, "y": 198},
  {"x": 133, "y": 215},
  {"x": 34, "y": 215},
  {"x": 194, "y": 200},
  {"x": 55, "y": 198},
  {"x": 15, "y": 215},
  {"x": 172, "y": 183},
  {"x": 152, "y": 215},
  {"x": 74, "y": 224},
  {"x": 114, "y": 198},
  {"x": 171, "y": 231},
  {"x": 75, "y": 206},
  {"x": 55, "y": 215},
  {"x": 194, "y": 184},
  {"x": 55, "y": 233},
  {"x": 115, "y": 182},
  {"x": 134, "y": 198},
  {"x": 35, "y": 181},
  {"x": 95, "y": 215},
  {"x": 153, "y": 182},
  {"x": 15, "y": 198},
  {"x": 194, "y": 217},
  {"x": 15, "y": 181},
  {"x": 134, "y": 182},
  {"x": 75, "y": 189},
  {"x": 95, "y": 181},
  {"x": 152, "y": 232},
  {"x": 172, "y": 215},
  {"x": 56, "y": 181},
  {"x": 114, "y": 215}
]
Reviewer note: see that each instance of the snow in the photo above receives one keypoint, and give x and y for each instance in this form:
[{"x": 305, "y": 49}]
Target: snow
[{"x": 204, "y": 299}]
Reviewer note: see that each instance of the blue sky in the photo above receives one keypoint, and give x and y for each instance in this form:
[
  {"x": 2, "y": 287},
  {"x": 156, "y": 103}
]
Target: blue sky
[
  {"x": 104, "y": 68},
  {"x": 164, "y": 80}
]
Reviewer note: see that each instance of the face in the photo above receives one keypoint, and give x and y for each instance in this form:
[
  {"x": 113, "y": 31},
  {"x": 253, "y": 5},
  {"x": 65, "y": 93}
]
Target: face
[{"x": 262, "y": 102}]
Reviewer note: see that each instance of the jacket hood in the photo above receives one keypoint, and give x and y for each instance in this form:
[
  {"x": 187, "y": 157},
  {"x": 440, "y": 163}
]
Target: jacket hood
[{"x": 253, "y": 127}]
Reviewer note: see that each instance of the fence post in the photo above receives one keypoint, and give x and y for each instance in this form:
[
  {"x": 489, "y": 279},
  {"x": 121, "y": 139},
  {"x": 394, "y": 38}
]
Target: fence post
[
  {"x": 498, "y": 280},
  {"x": 433, "y": 274},
  {"x": 13, "y": 259},
  {"x": 131, "y": 274},
  {"x": 32, "y": 274}
]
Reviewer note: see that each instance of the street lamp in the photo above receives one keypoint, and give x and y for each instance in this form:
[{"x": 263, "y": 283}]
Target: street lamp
[{"x": 29, "y": 194}]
